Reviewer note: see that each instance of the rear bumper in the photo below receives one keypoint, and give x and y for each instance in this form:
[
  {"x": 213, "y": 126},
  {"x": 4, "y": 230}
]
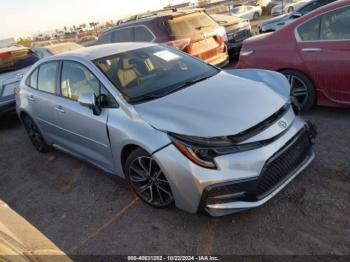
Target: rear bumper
[
  {"x": 7, "y": 105},
  {"x": 220, "y": 60}
]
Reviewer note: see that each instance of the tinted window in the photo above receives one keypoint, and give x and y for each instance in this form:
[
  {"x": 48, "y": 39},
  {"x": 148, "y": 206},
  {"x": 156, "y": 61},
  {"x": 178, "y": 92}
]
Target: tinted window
[
  {"x": 335, "y": 25},
  {"x": 105, "y": 38},
  {"x": 33, "y": 79},
  {"x": 16, "y": 59},
  {"x": 310, "y": 30},
  {"x": 76, "y": 80},
  {"x": 142, "y": 34},
  {"x": 122, "y": 35},
  {"x": 313, "y": 5},
  {"x": 152, "y": 70},
  {"x": 47, "y": 77}
]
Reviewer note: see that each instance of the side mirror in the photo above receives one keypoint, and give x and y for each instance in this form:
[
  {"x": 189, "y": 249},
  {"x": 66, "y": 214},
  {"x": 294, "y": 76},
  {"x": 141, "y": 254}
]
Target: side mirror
[
  {"x": 296, "y": 14},
  {"x": 89, "y": 100}
]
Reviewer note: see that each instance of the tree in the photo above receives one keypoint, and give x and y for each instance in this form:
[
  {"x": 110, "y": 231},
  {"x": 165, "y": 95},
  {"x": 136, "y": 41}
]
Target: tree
[{"x": 203, "y": 3}]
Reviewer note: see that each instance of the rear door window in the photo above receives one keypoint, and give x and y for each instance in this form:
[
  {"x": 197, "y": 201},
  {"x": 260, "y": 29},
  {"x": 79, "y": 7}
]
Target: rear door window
[
  {"x": 142, "y": 34},
  {"x": 47, "y": 77},
  {"x": 16, "y": 60},
  {"x": 33, "y": 79},
  {"x": 123, "y": 35},
  {"x": 335, "y": 25},
  {"x": 310, "y": 31}
]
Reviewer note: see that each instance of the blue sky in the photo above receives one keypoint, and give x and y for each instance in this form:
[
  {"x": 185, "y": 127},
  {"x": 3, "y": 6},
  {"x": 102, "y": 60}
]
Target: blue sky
[{"x": 27, "y": 17}]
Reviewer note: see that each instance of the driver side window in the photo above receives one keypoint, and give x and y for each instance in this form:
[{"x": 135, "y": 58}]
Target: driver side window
[{"x": 77, "y": 79}]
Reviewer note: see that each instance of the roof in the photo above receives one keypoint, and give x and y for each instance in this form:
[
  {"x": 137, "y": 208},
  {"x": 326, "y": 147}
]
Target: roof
[
  {"x": 62, "y": 47},
  {"x": 95, "y": 52},
  {"x": 146, "y": 17}
]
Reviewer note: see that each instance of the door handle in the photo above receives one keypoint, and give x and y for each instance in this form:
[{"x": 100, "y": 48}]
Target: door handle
[
  {"x": 60, "y": 109},
  {"x": 31, "y": 98},
  {"x": 311, "y": 50}
]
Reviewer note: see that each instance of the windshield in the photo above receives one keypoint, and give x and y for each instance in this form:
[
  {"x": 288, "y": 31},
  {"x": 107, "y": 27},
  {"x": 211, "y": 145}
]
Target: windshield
[
  {"x": 190, "y": 24},
  {"x": 237, "y": 10},
  {"x": 152, "y": 70},
  {"x": 12, "y": 60}
]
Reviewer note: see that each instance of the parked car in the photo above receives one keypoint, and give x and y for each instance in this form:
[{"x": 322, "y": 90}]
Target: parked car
[
  {"x": 21, "y": 241},
  {"x": 178, "y": 129},
  {"x": 14, "y": 62},
  {"x": 237, "y": 30},
  {"x": 273, "y": 24},
  {"x": 313, "y": 52},
  {"x": 287, "y": 6},
  {"x": 247, "y": 11},
  {"x": 55, "y": 49},
  {"x": 192, "y": 31}
]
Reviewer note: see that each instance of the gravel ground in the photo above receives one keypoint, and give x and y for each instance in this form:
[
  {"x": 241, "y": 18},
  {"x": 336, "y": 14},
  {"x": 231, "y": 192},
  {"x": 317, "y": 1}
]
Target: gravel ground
[{"x": 86, "y": 211}]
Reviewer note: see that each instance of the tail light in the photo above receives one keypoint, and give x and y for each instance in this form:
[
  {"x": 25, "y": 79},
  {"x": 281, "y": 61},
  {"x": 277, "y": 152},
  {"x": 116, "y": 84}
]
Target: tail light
[
  {"x": 179, "y": 44},
  {"x": 220, "y": 39},
  {"x": 5, "y": 54}
]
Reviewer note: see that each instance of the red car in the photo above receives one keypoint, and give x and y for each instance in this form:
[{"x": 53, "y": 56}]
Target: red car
[{"x": 313, "y": 52}]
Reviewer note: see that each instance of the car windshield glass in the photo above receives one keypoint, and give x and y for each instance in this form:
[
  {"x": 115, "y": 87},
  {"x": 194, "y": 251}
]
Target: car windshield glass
[
  {"x": 15, "y": 59},
  {"x": 153, "y": 71},
  {"x": 185, "y": 26},
  {"x": 237, "y": 10}
]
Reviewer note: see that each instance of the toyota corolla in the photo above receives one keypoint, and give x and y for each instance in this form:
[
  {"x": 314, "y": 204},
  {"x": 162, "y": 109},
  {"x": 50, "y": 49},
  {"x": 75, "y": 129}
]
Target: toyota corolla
[{"x": 179, "y": 130}]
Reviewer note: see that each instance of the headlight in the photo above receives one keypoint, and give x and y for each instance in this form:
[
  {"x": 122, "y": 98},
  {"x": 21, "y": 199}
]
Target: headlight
[
  {"x": 246, "y": 53},
  {"x": 202, "y": 151}
]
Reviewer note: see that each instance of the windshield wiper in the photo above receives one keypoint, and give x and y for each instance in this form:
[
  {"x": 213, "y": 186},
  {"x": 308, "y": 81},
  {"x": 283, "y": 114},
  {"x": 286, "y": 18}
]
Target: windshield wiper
[
  {"x": 144, "y": 98},
  {"x": 156, "y": 95},
  {"x": 202, "y": 26}
]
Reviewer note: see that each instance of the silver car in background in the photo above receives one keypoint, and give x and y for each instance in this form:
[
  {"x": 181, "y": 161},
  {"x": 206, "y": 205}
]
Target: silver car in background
[
  {"x": 15, "y": 61},
  {"x": 179, "y": 130}
]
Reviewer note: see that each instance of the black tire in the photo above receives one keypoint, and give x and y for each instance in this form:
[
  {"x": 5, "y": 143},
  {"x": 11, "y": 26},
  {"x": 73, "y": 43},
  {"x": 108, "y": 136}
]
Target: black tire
[
  {"x": 34, "y": 134},
  {"x": 256, "y": 16},
  {"x": 302, "y": 89},
  {"x": 290, "y": 9},
  {"x": 147, "y": 180}
]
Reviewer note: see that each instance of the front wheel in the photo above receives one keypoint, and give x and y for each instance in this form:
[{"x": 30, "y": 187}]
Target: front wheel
[
  {"x": 302, "y": 89},
  {"x": 256, "y": 16},
  {"x": 290, "y": 9},
  {"x": 147, "y": 179}
]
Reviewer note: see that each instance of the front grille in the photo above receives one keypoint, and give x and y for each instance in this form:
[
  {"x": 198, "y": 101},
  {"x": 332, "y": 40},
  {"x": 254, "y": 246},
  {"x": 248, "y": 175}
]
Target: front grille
[
  {"x": 240, "y": 36},
  {"x": 282, "y": 165}
]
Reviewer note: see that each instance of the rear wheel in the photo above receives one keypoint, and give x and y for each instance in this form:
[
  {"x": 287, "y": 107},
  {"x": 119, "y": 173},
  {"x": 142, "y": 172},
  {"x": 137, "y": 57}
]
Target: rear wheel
[
  {"x": 147, "y": 179},
  {"x": 290, "y": 9},
  {"x": 302, "y": 89},
  {"x": 35, "y": 135},
  {"x": 256, "y": 16}
]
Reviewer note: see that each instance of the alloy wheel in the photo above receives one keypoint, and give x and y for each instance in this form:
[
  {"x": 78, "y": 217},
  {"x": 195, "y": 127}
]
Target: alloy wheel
[
  {"x": 34, "y": 134},
  {"x": 149, "y": 182},
  {"x": 299, "y": 90}
]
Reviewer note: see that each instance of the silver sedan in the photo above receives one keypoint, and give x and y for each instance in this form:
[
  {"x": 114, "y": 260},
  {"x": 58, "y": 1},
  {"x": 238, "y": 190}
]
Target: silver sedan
[{"x": 179, "y": 130}]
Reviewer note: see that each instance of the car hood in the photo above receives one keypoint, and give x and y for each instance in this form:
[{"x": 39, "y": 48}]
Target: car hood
[
  {"x": 228, "y": 20},
  {"x": 223, "y": 105},
  {"x": 277, "y": 19}
]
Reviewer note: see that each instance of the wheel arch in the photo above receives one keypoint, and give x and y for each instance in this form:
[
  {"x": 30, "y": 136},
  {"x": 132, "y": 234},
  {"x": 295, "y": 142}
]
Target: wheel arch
[{"x": 307, "y": 76}]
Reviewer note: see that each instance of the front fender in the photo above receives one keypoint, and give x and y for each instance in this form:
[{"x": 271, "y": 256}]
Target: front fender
[{"x": 276, "y": 81}]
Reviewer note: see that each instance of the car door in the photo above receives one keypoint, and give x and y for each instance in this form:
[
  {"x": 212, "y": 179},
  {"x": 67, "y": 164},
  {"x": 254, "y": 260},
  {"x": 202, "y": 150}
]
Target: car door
[
  {"x": 41, "y": 99},
  {"x": 324, "y": 45},
  {"x": 82, "y": 132}
]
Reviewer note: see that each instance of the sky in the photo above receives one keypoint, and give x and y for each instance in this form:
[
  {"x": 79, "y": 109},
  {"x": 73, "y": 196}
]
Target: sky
[{"x": 28, "y": 17}]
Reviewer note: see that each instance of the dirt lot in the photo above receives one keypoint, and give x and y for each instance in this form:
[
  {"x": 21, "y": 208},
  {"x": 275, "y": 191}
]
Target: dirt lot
[{"x": 86, "y": 211}]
